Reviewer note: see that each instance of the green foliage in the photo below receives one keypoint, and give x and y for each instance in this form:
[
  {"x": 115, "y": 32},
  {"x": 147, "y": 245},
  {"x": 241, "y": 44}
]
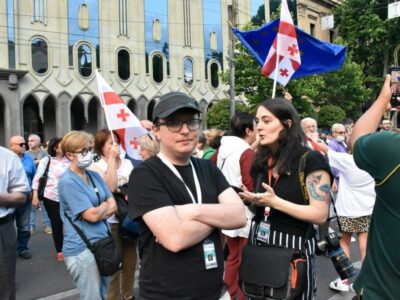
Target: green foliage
[
  {"x": 218, "y": 115},
  {"x": 330, "y": 114},
  {"x": 369, "y": 36}
]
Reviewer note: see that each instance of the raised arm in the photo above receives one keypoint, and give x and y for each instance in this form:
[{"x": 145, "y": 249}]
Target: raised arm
[{"x": 369, "y": 121}]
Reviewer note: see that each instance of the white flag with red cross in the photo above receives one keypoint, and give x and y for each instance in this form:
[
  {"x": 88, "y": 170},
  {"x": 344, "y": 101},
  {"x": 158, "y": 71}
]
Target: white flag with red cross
[
  {"x": 285, "y": 47},
  {"x": 120, "y": 119}
]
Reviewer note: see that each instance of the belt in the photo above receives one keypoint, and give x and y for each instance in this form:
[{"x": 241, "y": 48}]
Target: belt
[{"x": 6, "y": 219}]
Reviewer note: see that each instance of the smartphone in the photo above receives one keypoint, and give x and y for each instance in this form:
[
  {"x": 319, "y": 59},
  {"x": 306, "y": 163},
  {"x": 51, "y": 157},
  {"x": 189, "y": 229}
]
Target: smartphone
[{"x": 395, "y": 86}]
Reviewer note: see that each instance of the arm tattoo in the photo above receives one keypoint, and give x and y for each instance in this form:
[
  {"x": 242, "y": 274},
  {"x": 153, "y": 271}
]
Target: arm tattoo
[{"x": 315, "y": 189}]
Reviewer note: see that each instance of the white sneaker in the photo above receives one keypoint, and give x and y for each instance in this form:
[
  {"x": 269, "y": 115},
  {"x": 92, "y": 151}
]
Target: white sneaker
[{"x": 340, "y": 285}]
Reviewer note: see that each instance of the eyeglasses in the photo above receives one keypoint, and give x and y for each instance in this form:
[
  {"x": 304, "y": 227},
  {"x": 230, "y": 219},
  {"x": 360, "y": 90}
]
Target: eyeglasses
[
  {"x": 20, "y": 144},
  {"x": 176, "y": 125},
  {"x": 85, "y": 151},
  {"x": 340, "y": 132}
]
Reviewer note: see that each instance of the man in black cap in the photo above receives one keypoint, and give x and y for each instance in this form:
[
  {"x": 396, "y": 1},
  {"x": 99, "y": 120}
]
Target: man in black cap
[{"x": 182, "y": 203}]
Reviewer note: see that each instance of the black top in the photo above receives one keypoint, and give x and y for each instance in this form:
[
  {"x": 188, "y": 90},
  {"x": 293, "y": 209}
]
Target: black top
[
  {"x": 164, "y": 274},
  {"x": 288, "y": 187}
]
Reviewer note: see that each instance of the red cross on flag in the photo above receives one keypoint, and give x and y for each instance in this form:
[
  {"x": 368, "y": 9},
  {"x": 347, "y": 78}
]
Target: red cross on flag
[
  {"x": 120, "y": 119},
  {"x": 285, "y": 47}
]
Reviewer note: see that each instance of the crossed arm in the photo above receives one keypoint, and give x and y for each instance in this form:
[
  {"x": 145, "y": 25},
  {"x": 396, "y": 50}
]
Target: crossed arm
[{"x": 180, "y": 227}]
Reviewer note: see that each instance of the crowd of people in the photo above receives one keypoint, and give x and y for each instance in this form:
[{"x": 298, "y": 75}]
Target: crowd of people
[{"x": 200, "y": 197}]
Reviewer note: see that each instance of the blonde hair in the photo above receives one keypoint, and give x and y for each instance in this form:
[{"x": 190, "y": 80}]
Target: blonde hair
[
  {"x": 211, "y": 134},
  {"x": 74, "y": 140},
  {"x": 150, "y": 143}
]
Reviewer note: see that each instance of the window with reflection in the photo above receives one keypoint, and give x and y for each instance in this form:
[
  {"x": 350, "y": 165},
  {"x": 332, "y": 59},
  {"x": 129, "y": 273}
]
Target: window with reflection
[
  {"x": 124, "y": 71},
  {"x": 214, "y": 75},
  {"x": 158, "y": 68},
  {"x": 40, "y": 55},
  {"x": 188, "y": 71},
  {"x": 85, "y": 60}
]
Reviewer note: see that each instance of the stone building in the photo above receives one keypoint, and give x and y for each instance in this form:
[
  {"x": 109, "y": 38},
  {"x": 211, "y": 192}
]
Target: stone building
[{"x": 143, "y": 48}]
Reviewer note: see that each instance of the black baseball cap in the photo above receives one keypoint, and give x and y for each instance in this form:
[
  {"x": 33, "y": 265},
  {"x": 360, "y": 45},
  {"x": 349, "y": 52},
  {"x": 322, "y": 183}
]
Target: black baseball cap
[{"x": 172, "y": 102}]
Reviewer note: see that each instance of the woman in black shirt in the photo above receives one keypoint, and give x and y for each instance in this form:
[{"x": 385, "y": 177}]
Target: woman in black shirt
[{"x": 276, "y": 167}]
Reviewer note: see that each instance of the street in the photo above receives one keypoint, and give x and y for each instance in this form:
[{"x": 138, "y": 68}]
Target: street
[{"x": 43, "y": 277}]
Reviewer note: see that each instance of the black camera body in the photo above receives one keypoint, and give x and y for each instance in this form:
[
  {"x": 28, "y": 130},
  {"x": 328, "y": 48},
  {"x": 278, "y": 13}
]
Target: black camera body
[{"x": 330, "y": 245}]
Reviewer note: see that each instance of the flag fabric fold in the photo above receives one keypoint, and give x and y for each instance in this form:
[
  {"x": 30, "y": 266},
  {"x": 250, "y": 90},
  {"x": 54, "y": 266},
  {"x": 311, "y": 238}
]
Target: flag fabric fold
[
  {"x": 120, "y": 119},
  {"x": 316, "y": 56},
  {"x": 284, "y": 48}
]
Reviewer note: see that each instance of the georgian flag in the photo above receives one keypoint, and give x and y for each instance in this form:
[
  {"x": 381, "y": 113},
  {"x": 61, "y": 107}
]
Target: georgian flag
[
  {"x": 288, "y": 52},
  {"x": 120, "y": 119}
]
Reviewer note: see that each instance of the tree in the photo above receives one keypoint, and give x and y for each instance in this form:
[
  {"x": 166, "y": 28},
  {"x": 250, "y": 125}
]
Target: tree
[
  {"x": 330, "y": 114},
  {"x": 369, "y": 36},
  {"x": 218, "y": 116}
]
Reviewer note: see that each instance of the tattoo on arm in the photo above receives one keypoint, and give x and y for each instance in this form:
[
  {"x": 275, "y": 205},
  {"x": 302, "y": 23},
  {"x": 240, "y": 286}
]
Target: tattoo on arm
[{"x": 317, "y": 190}]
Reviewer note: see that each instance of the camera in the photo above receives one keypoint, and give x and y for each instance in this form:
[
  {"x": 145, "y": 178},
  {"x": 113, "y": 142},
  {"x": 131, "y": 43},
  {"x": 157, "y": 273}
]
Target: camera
[
  {"x": 395, "y": 86},
  {"x": 330, "y": 245}
]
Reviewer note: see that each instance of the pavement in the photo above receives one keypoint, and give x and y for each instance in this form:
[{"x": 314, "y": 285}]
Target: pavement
[{"x": 45, "y": 278}]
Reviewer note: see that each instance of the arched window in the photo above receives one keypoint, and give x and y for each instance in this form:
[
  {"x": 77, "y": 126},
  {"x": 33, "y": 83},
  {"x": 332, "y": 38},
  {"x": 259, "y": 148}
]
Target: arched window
[
  {"x": 214, "y": 75},
  {"x": 39, "y": 56},
  {"x": 158, "y": 68},
  {"x": 85, "y": 60},
  {"x": 188, "y": 71},
  {"x": 124, "y": 71}
]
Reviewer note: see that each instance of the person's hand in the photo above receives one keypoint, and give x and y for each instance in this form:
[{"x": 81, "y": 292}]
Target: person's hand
[
  {"x": 386, "y": 92},
  {"x": 324, "y": 147},
  {"x": 114, "y": 151},
  {"x": 268, "y": 198},
  {"x": 287, "y": 96},
  {"x": 334, "y": 187},
  {"x": 35, "y": 202}
]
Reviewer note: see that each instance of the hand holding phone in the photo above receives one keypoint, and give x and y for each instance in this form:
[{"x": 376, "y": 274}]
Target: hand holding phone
[{"x": 395, "y": 86}]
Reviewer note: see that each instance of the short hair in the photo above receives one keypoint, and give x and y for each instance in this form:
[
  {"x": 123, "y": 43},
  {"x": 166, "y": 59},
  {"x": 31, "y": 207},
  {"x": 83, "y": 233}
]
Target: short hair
[
  {"x": 35, "y": 136},
  {"x": 150, "y": 143},
  {"x": 74, "y": 140},
  {"x": 240, "y": 122},
  {"x": 337, "y": 126},
  {"x": 100, "y": 139},
  {"x": 211, "y": 134},
  {"x": 305, "y": 120},
  {"x": 53, "y": 143}
]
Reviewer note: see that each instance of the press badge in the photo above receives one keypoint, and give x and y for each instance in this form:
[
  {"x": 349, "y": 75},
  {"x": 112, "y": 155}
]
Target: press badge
[
  {"x": 210, "y": 257},
  {"x": 263, "y": 232}
]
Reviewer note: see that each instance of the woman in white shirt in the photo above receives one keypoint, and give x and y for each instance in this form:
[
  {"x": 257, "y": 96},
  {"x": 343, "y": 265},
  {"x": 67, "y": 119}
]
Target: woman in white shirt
[{"x": 115, "y": 172}]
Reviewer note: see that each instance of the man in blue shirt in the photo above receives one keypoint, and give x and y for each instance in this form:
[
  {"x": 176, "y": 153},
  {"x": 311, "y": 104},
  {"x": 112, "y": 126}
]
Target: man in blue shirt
[{"x": 22, "y": 212}]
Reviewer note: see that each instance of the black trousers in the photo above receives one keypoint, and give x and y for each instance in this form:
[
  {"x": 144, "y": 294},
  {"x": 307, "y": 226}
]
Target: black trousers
[
  {"x": 8, "y": 259},
  {"x": 53, "y": 210}
]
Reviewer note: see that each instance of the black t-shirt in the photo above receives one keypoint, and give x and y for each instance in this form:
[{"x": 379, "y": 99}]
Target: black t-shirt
[
  {"x": 164, "y": 274},
  {"x": 288, "y": 187}
]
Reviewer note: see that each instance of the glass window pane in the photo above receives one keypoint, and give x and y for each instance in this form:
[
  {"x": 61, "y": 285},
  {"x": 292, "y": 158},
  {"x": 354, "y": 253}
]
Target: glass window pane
[
  {"x": 39, "y": 56},
  {"x": 214, "y": 75},
  {"x": 158, "y": 72},
  {"x": 188, "y": 71},
  {"x": 124, "y": 71},
  {"x": 85, "y": 60}
]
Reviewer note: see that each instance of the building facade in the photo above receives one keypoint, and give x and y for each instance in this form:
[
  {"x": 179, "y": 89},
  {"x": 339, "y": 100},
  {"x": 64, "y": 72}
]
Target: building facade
[{"x": 143, "y": 49}]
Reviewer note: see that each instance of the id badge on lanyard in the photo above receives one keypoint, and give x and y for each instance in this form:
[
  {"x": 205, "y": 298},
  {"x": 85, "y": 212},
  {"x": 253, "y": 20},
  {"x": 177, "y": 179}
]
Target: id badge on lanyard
[{"x": 210, "y": 256}]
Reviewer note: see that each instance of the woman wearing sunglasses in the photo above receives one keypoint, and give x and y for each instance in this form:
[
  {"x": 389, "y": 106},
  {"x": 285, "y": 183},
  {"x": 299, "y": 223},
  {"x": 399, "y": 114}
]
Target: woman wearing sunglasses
[{"x": 86, "y": 201}]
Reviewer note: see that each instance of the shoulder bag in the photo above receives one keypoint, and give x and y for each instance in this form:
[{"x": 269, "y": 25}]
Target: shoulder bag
[
  {"x": 128, "y": 228},
  {"x": 273, "y": 272},
  {"x": 104, "y": 250},
  {"x": 43, "y": 181}
]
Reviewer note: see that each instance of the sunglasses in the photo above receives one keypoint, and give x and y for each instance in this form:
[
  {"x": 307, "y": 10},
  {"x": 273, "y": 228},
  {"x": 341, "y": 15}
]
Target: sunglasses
[{"x": 21, "y": 144}]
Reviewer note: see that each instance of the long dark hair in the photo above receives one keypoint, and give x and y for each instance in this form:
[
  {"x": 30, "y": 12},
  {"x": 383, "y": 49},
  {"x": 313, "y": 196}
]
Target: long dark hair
[{"x": 290, "y": 144}]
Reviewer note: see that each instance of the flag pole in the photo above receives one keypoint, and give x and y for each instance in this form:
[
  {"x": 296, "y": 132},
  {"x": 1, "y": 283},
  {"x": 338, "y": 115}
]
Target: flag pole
[
  {"x": 102, "y": 101},
  {"x": 276, "y": 67}
]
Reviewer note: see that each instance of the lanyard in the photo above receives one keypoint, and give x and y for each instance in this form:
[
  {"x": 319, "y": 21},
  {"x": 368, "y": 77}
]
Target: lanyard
[
  {"x": 175, "y": 171},
  {"x": 270, "y": 178}
]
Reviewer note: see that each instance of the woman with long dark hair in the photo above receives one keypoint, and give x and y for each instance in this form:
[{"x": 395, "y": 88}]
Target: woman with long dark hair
[
  {"x": 58, "y": 164},
  {"x": 278, "y": 190}
]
